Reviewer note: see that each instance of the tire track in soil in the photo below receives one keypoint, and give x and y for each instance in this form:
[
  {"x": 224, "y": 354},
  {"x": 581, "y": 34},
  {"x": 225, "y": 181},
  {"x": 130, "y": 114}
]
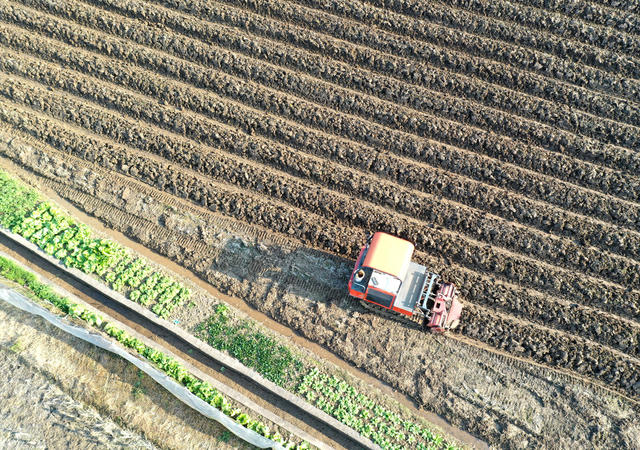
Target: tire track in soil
[
  {"x": 550, "y": 348},
  {"x": 106, "y": 212},
  {"x": 409, "y": 172},
  {"x": 320, "y": 204},
  {"x": 582, "y": 352},
  {"x": 564, "y": 253},
  {"x": 591, "y": 176}
]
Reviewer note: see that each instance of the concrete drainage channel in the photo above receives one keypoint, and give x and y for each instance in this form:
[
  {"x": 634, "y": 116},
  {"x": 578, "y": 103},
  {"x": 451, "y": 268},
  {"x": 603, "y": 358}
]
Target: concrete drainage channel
[{"x": 324, "y": 431}]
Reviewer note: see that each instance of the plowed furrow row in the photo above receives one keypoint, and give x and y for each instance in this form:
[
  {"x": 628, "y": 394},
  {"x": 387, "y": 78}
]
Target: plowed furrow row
[
  {"x": 436, "y": 212},
  {"x": 541, "y": 344},
  {"x": 457, "y": 84},
  {"x": 588, "y": 322},
  {"x": 532, "y": 213},
  {"x": 610, "y": 14},
  {"x": 387, "y": 63},
  {"x": 528, "y": 29},
  {"x": 553, "y": 349},
  {"x": 466, "y": 252},
  {"x": 204, "y": 103},
  {"x": 410, "y": 202},
  {"x": 606, "y": 180},
  {"x": 520, "y": 15},
  {"x": 498, "y": 52}
]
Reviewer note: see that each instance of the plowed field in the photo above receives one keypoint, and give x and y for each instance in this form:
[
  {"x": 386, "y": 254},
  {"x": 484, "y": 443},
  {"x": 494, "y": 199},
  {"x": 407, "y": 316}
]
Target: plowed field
[{"x": 502, "y": 138}]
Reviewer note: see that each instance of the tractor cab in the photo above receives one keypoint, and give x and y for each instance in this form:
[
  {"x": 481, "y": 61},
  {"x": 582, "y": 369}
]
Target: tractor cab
[
  {"x": 385, "y": 276},
  {"x": 380, "y": 270}
]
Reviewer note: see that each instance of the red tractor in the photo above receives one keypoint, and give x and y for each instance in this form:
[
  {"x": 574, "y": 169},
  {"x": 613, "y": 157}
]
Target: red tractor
[{"x": 385, "y": 279}]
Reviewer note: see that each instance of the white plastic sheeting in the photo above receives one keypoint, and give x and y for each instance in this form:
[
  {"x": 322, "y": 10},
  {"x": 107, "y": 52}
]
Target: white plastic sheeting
[{"x": 180, "y": 392}]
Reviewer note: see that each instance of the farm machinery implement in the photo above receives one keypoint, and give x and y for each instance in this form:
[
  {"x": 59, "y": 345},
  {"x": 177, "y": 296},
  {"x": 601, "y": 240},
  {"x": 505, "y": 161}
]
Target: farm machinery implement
[{"x": 387, "y": 281}]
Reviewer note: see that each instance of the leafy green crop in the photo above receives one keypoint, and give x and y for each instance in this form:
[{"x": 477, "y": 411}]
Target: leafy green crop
[
  {"x": 73, "y": 243},
  {"x": 16, "y": 200},
  {"x": 251, "y": 347},
  {"x": 341, "y": 400}
]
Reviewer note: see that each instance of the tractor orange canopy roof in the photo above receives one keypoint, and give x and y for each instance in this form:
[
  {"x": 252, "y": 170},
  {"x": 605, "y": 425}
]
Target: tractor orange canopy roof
[{"x": 389, "y": 254}]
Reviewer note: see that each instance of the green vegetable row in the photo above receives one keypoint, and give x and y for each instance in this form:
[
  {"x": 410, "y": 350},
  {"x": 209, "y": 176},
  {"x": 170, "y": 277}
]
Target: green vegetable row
[
  {"x": 24, "y": 213},
  {"x": 15, "y": 273},
  {"x": 252, "y": 348},
  {"x": 336, "y": 397},
  {"x": 341, "y": 400}
]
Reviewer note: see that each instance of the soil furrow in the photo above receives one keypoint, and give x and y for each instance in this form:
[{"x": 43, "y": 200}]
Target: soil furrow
[
  {"x": 524, "y": 27},
  {"x": 497, "y": 117},
  {"x": 542, "y": 17},
  {"x": 447, "y": 215},
  {"x": 504, "y": 148},
  {"x": 201, "y": 131},
  {"x": 406, "y": 172},
  {"x": 452, "y": 216},
  {"x": 511, "y": 299},
  {"x": 454, "y": 133},
  {"x": 540, "y": 344},
  {"x": 496, "y": 51},
  {"x": 529, "y": 105},
  {"x": 554, "y": 349},
  {"x": 615, "y": 15},
  {"x": 408, "y": 46}
]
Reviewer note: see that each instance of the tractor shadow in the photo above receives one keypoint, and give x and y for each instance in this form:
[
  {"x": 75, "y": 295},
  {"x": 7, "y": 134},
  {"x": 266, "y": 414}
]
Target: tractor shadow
[{"x": 309, "y": 275}]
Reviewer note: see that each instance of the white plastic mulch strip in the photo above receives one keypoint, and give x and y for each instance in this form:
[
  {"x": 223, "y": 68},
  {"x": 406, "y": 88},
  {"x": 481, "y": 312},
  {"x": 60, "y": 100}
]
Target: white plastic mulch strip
[{"x": 180, "y": 392}]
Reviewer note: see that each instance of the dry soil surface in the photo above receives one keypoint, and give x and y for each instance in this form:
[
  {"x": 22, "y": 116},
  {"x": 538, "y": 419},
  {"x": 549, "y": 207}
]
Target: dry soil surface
[
  {"x": 502, "y": 138},
  {"x": 501, "y": 399}
]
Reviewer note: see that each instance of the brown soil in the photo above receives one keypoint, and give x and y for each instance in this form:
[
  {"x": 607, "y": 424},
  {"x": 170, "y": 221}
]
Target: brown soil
[
  {"x": 468, "y": 387},
  {"x": 501, "y": 139}
]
